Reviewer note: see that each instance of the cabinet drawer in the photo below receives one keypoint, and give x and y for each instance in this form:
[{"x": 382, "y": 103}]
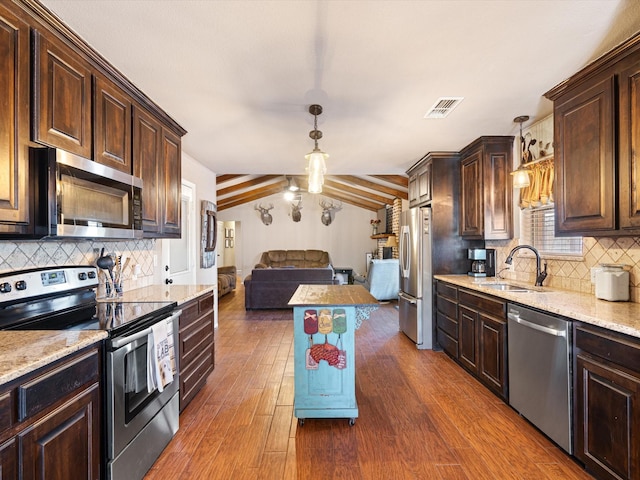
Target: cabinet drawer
[
  {"x": 193, "y": 310},
  {"x": 609, "y": 345},
  {"x": 192, "y": 380},
  {"x": 481, "y": 302},
  {"x": 447, "y": 307},
  {"x": 447, "y": 324},
  {"x": 7, "y": 410},
  {"x": 52, "y": 386},
  {"x": 190, "y": 313},
  {"x": 205, "y": 303},
  {"x": 447, "y": 343},
  {"x": 195, "y": 340},
  {"x": 447, "y": 290}
]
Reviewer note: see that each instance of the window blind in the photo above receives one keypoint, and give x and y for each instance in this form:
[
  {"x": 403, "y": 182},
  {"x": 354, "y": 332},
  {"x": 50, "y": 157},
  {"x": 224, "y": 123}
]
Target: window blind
[{"x": 538, "y": 229}]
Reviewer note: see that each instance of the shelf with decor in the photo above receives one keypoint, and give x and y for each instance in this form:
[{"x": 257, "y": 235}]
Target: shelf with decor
[{"x": 382, "y": 235}]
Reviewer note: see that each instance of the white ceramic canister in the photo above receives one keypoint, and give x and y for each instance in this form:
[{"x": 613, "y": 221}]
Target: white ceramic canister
[{"x": 612, "y": 283}]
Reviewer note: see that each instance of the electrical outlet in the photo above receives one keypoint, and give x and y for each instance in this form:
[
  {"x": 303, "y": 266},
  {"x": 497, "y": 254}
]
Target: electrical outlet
[{"x": 594, "y": 270}]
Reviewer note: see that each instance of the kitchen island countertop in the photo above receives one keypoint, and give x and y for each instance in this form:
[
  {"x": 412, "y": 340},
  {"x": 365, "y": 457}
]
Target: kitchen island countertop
[
  {"x": 623, "y": 317},
  {"x": 22, "y": 352}
]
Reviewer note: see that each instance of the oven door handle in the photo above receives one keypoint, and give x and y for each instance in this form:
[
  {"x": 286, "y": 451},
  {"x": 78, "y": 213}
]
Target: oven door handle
[{"x": 121, "y": 342}]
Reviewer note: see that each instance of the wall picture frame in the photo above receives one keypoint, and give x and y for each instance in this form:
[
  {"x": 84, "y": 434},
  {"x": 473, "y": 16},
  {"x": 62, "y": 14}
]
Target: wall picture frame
[{"x": 208, "y": 234}]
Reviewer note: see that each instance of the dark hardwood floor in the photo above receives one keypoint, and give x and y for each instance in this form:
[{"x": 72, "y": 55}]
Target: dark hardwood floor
[{"x": 421, "y": 415}]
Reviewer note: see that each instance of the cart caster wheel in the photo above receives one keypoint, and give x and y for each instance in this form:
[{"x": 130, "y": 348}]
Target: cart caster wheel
[
  {"x": 301, "y": 422},
  {"x": 352, "y": 422}
]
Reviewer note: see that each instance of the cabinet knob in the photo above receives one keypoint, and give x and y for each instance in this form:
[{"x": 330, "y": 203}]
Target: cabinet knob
[{"x": 168, "y": 281}]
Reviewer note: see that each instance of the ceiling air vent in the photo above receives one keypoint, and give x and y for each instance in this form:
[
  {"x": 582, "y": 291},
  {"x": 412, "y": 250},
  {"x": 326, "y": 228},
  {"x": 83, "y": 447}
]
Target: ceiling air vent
[{"x": 443, "y": 107}]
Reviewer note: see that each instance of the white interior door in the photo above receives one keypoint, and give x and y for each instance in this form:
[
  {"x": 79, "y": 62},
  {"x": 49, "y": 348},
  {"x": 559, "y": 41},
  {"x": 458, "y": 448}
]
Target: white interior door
[{"x": 179, "y": 255}]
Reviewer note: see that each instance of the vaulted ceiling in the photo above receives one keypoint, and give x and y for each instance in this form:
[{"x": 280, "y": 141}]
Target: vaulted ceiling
[{"x": 370, "y": 192}]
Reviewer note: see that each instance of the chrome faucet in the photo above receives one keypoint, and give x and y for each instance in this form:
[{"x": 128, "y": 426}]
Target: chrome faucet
[{"x": 540, "y": 274}]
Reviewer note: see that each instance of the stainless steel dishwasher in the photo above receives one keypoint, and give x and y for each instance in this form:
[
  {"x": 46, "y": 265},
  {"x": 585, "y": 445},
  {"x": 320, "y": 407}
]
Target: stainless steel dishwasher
[{"x": 540, "y": 371}]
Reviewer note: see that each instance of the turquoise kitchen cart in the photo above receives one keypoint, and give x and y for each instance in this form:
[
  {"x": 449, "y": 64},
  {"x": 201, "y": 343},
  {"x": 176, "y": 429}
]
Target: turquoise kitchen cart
[{"x": 325, "y": 318}]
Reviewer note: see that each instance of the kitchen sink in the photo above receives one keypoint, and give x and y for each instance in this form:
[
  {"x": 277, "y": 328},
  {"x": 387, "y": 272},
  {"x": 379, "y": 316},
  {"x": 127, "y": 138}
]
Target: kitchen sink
[{"x": 507, "y": 287}]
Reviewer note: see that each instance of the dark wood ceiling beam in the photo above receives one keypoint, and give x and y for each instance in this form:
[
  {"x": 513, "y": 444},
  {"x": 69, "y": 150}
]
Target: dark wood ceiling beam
[
  {"x": 401, "y": 181},
  {"x": 355, "y": 191},
  {"x": 249, "y": 184},
  {"x": 345, "y": 197},
  {"x": 247, "y": 197},
  {"x": 376, "y": 187},
  {"x": 225, "y": 178}
]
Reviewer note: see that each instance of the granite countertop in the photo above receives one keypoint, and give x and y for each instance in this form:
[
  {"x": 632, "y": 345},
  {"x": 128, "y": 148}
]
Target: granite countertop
[
  {"x": 162, "y": 293},
  {"x": 623, "y": 317},
  {"x": 22, "y": 352}
]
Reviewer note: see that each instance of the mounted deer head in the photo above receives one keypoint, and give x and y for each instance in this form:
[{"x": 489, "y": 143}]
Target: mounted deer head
[
  {"x": 296, "y": 215},
  {"x": 328, "y": 210},
  {"x": 265, "y": 216}
]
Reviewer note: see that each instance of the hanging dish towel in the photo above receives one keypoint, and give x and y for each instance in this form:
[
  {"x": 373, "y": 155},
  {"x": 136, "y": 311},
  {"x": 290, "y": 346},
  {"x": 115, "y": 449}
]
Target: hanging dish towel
[{"x": 160, "y": 366}]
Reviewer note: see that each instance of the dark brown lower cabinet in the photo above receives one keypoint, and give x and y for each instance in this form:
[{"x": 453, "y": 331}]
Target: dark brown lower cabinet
[
  {"x": 467, "y": 338},
  {"x": 492, "y": 353},
  {"x": 197, "y": 346},
  {"x": 62, "y": 445},
  {"x": 607, "y": 402},
  {"x": 9, "y": 459},
  {"x": 51, "y": 426},
  {"x": 472, "y": 328},
  {"x": 447, "y": 317}
]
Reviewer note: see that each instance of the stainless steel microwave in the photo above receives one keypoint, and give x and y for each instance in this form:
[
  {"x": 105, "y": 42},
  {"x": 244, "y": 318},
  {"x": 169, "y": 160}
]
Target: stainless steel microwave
[{"x": 77, "y": 197}]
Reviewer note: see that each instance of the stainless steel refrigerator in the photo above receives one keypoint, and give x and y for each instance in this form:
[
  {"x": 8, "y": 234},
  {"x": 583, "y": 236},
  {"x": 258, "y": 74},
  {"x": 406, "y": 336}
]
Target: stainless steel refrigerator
[{"x": 415, "y": 297}]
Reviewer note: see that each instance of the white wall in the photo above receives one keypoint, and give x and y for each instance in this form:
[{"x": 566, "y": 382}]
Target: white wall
[
  {"x": 347, "y": 239},
  {"x": 205, "y": 181}
]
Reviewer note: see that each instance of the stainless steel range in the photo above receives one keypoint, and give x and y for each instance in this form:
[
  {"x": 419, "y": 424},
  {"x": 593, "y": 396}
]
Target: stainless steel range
[{"x": 139, "y": 420}]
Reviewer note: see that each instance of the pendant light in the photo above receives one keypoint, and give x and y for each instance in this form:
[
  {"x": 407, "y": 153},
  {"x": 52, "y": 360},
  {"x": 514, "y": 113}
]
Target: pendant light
[
  {"x": 316, "y": 166},
  {"x": 521, "y": 175}
]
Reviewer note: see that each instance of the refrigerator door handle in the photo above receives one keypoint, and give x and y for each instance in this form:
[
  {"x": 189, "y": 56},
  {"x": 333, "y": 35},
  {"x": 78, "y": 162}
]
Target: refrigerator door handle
[
  {"x": 405, "y": 251},
  {"x": 409, "y": 299}
]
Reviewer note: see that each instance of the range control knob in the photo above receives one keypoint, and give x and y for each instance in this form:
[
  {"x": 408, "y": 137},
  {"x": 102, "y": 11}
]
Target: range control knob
[
  {"x": 21, "y": 285},
  {"x": 5, "y": 287},
  {"x": 82, "y": 276},
  {"x": 92, "y": 274}
]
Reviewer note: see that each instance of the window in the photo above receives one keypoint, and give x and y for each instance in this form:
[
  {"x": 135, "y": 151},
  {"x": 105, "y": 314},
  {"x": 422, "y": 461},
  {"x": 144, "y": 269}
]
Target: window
[{"x": 538, "y": 229}]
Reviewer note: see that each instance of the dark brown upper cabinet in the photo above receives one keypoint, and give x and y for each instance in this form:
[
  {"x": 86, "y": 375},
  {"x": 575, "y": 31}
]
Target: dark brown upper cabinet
[
  {"x": 55, "y": 90},
  {"x": 157, "y": 160},
  {"x": 596, "y": 136},
  {"x": 629, "y": 124},
  {"x": 486, "y": 195},
  {"x": 63, "y": 100},
  {"x": 112, "y": 126},
  {"x": 15, "y": 214},
  {"x": 420, "y": 183}
]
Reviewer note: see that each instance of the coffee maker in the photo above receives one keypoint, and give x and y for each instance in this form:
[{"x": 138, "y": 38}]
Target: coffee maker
[{"x": 483, "y": 262}]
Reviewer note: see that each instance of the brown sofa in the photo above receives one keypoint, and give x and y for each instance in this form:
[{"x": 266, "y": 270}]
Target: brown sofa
[
  {"x": 226, "y": 280},
  {"x": 279, "y": 273},
  {"x": 294, "y": 258}
]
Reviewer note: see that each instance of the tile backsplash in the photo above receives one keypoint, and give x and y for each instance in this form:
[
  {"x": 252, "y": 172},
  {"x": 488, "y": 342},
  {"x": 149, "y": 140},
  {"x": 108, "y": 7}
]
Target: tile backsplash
[
  {"x": 33, "y": 254},
  {"x": 575, "y": 273}
]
